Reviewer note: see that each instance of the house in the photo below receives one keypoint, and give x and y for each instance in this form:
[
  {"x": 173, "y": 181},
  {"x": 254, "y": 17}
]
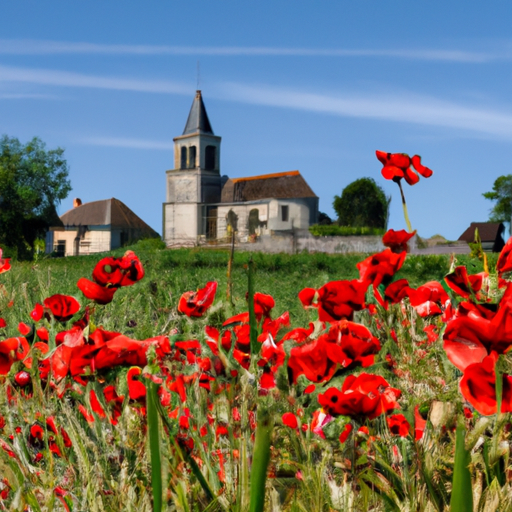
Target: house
[
  {"x": 491, "y": 234},
  {"x": 202, "y": 205},
  {"x": 97, "y": 226}
]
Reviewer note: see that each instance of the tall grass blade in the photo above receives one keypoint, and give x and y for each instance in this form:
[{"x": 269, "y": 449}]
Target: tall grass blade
[
  {"x": 154, "y": 445},
  {"x": 261, "y": 458},
  {"x": 462, "y": 492}
]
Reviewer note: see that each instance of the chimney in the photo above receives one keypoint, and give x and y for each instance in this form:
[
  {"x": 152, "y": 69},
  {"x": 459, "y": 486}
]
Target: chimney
[{"x": 77, "y": 202}]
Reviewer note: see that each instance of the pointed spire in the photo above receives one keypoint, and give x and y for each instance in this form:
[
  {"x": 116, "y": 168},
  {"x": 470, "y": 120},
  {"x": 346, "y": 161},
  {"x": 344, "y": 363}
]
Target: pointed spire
[{"x": 198, "y": 121}]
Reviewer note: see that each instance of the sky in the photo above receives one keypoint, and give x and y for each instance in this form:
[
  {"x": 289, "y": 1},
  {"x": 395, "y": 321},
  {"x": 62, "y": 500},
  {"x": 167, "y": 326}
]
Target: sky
[{"x": 313, "y": 86}]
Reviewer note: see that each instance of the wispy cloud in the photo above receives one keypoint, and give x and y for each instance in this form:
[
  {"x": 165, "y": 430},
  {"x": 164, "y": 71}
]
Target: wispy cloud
[
  {"x": 120, "y": 142},
  {"x": 70, "y": 79},
  {"x": 34, "y": 47},
  {"x": 399, "y": 107}
]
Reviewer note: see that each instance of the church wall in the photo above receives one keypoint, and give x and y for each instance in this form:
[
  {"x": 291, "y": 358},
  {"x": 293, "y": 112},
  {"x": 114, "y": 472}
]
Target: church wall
[
  {"x": 181, "y": 223},
  {"x": 298, "y": 215}
]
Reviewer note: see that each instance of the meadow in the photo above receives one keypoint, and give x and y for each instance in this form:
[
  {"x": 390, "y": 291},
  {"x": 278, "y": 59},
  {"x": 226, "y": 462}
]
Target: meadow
[{"x": 206, "y": 416}]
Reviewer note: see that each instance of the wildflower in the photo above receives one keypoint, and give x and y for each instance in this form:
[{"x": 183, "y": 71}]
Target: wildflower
[
  {"x": 63, "y": 307},
  {"x": 195, "y": 304}
]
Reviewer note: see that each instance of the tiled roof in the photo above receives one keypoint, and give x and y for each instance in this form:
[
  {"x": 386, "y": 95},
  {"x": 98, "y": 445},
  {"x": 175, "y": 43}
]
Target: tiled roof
[
  {"x": 488, "y": 231},
  {"x": 283, "y": 185},
  {"x": 107, "y": 212},
  {"x": 198, "y": 121}
]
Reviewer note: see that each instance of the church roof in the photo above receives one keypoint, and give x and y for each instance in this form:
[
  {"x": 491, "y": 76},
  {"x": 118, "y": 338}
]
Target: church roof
[
  {"x": 282, "y": 185},
  {"x": 107, "y": 212},
  {"x": 198, "y": 121}
]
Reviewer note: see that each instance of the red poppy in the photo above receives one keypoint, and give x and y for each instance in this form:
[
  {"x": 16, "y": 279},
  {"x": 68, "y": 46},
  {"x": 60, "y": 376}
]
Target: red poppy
[
  {"x": 337, "y": 300},
  {"x": 463, "y": 284},
  {"x": 290, "y": 420},
  {"x": 263, "y": 304},
  {"x": 11, "y": 350},
  {"x": 397, "y": 241},
  {"x": 429, "y": 299},
  {"x": 397, "y": 291},
  {"x": 22, "y": 379},
  {"x": 3, "y": 323},
  {"x": 37, "y": 312},
  {"x": 97, "y": 293},
  {"x": 118, "y": 272},
  {"x": 504, "y": 263},
  {"x": 366, "y": 395},
  {"x": 398, "y": 425},
  {"x": 346, "y": 432},
  {"x": 95, "y": 404},
  {"x": 4, "y": 263},
  {"x": 398, "y": 166},
  {"x": 63, "y": 307},
  {"x": 24, "y": 329},
  {"x": 195, "y": 304},
  {"x": 136, "y": 389},
  {"x": 478, "y": 386},
  {"x": 380, "y": 267}
]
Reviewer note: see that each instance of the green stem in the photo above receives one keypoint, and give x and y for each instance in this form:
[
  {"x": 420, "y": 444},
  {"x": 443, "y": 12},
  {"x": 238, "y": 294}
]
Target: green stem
[
  {"x": 404, "y": 206},
  {"x": 154, "y": 445},
  {"x": 252, "y": 316},
  {"x": 260, "y": 458},
  {"x": 462, "y": 492}
]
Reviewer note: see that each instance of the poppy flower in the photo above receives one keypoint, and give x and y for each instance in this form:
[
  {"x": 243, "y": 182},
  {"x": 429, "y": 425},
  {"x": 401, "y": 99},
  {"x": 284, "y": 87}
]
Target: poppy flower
[
  {"x": 465, "y": 285},
  {"x": 136, "y": 389},
  {"x": 397, "y": 291},
  {"x": 3, "y": 323},
  {"x": 381, "y": 267},
  {"x": 117, "y": 272},
  {"x": 397, "y": 241},
  {"x": 398, "y": 425},
  {"x": 364, "y": 396},
  {"x": 398, "y": 166},
  {"x": 338, "y": 300},
  {"x": 263, "y": 304},
  {"x": 11, "y": 350},
  {"x": 22, "y": 379},
  {"x": 504, "y": 263},
  {"x": 290, "y": 420},
  {"x": 478, "y": 386},
  {"x": 429, "y": 299},
  {"x": 97, "y": 293},
  {"x": 63, "y": 307},
  {"x": 37, "y": 312},
  {"x": 4, "y": 263},
  {"x": 346, "y": 432},
  {"x": 24, "y": 329},
  {"x": 195, "y": 304}
]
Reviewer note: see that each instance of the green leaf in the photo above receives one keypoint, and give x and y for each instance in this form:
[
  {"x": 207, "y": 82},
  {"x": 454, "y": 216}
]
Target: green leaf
[{"x": 154, "y": 445}]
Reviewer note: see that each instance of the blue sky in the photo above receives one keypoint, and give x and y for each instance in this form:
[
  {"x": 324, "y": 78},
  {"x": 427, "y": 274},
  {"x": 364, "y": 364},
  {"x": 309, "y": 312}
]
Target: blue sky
[{"x": 313, "y": 86}]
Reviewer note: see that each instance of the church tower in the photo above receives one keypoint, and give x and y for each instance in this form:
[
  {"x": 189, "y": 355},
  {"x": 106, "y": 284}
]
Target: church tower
[{"x": 195, "y": 180}]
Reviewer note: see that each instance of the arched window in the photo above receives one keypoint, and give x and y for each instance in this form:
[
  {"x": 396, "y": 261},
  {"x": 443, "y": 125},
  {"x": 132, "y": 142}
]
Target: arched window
[
  {"x": 209, "y": 158},
  {"x": 192, "y": 157},
  {"x": 183, "y": 164},
  {"x": 232, "y": 221},
  {"x": 254, "y": 221}
]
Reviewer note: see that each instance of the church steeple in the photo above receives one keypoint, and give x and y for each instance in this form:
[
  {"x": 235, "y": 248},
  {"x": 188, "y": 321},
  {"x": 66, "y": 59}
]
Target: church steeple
[
  {"x": 198, "y": 147},
  {"x": 198, "y": 121}
]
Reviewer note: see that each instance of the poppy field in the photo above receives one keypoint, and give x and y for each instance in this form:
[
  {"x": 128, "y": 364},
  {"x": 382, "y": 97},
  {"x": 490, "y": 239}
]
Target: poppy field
[{"x": 148, "y": 380}]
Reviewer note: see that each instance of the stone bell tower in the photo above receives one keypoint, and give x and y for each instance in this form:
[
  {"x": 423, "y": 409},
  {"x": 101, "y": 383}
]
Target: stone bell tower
[{"x": 195, "y": 180}]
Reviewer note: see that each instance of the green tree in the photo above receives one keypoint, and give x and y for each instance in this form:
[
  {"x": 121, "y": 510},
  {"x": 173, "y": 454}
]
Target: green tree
[
  {"x": 33, "y": 181},
  {"x": 502, "y": 194},
  {"x": 362, "y": 204}
]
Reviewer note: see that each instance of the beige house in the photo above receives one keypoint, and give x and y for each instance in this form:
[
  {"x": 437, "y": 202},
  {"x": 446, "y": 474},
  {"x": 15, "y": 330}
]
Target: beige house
[
  {"x": 202, "y": 205},
  {"x": 98, "y": 226}
]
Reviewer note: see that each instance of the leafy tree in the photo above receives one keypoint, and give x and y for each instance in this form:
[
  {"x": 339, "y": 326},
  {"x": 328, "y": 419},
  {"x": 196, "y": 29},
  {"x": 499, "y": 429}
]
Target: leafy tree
[
  {"x": 502, "y": 194},
  {"x": 33, "y": 181},
  {"x": 324, "y": 219},
  {"x": 362, "y": 204}
]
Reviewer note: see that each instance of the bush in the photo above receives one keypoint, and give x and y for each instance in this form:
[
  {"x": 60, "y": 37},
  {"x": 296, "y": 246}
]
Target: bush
[{"x": 334, "y": 230}]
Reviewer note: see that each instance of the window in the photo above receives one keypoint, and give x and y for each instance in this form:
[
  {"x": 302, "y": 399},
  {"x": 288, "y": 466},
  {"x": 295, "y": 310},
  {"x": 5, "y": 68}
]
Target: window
[
  {"x": 209, "y": 158},
  {"x": 192, "y": 157},
  {"x": 284, "y": 213},
  {"x": 183, "y": 164}
]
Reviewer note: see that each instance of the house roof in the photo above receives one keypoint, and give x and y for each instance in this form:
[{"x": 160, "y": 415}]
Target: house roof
[
  {"x": 283, "y": 185},
  {"x": 107, "y": 212},
  {"x": 198, "y": 121},
  {"x": 488, "y": 231}
]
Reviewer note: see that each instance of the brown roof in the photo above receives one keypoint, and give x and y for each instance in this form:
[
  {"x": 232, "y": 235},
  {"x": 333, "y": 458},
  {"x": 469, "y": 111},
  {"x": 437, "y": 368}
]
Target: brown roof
[
  {"x": 488, "y": 231},
  {"x": 280, "y": 185},
  {"x": 107, "y": 212}
]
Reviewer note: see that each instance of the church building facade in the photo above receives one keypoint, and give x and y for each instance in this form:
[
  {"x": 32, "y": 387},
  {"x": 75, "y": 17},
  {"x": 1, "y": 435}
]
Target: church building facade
[{"x": 204, "y": 206}]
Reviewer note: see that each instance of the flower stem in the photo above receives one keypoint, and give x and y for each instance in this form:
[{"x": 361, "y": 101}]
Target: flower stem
[{"x": 404, "y": 205}]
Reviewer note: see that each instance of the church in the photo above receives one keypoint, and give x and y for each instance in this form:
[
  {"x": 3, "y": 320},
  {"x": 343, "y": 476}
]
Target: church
[{"x": 204, "y": 206}]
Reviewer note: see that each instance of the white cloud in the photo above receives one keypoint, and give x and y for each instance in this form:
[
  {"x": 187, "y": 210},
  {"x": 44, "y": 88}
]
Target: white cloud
[
  {"x": 399, "y": 107},
  {"x": 34, "y": 47},
  {"x": 120, "y": 142},
  {"x": 70, "y": 79}
]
